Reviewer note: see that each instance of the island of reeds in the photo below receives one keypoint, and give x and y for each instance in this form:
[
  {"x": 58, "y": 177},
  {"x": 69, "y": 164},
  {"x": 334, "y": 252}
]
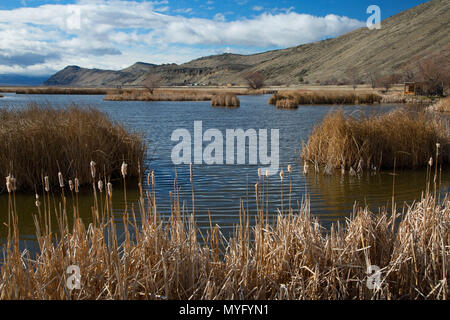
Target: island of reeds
[
  {"x": 401, "y": 138},
  {"x": 41, "y": 140},
  {"x": 292, "y": 99},
  {"x": 225, "y": 100}
]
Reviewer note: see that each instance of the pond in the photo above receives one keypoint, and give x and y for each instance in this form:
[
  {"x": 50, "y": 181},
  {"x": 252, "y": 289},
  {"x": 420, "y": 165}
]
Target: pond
[{"x": 220, "y": 189}]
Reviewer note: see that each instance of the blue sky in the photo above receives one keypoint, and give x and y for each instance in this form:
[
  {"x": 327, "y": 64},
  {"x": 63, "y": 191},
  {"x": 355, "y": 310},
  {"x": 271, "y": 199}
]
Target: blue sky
[{"x": 40, "y": 37}]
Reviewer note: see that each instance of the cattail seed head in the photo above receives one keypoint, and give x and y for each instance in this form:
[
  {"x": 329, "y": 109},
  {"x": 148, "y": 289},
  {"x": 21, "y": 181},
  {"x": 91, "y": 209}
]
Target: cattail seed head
[
  {"x": 305, "y": 168},
  {"x": 256, "y": 188},
  {"x": 153, "y": 177},
  {"x": 13, "y": 183},
  {"x": 71, "y": 185},
  {"x": 100, "y": 185},
  {"x": 8, "y": 184},
  {"x": 123, "y": 170},
  {"x": 148, "y": 178},
  {"x": 267, "y": 173},
  {"x": 109, "y": 189},
  {"x": 259, "y": 172},
  {"x": 61, "y": 180},
  {"x": 92, "y": 164},
  {"x": 77, "y": 185},
  {"x": 46, "y": 184},
  {"x": 289, "y": 168},
  {"x": 430, "y": 162},
  {"x": 281, "y": 175}
]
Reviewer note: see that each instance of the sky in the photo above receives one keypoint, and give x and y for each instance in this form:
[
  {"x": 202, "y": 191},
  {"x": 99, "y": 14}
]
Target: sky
[{"x": 40, "y": 37}]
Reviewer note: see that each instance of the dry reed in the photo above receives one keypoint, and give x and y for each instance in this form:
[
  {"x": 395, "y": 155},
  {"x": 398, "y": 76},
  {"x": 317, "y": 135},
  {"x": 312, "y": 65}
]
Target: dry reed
[
  {"x": 376, "y": 141},
  {"x": 305, "y": 97},
  {"x": 292, "y": 259},
  {"x": 225, "y": 100},
  {"x": 38, "y": 140},
  {"x": 59, "y": 90},
  {"x": 443, "y": 105}
]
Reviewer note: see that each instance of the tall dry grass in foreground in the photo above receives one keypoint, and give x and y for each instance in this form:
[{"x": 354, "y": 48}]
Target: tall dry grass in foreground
[
  {"x": 406, "y": 139},
  {"x": 294, "y": 258},
  {"x": 225, "y": 100},
  {"x": 41, "y": 141},
  {"x": 292, "y": 99}
]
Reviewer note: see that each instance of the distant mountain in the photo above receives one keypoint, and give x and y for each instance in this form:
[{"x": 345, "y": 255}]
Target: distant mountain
[
  {"x": 404, "y": 38},
  {"x": 20, "y": 80}
]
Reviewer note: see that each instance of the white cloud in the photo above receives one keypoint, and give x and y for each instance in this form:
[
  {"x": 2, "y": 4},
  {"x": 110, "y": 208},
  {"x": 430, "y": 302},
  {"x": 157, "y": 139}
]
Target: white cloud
[
  {"x": 115, "y": 33},
  {"x": 258, "y": 8}
]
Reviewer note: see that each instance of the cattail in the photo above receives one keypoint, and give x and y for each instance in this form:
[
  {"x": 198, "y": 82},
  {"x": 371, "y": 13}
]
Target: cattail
[
  {"x": 281, "y": 175},
  {"x": 92, "y": 164},
  {"x": 153, "y": 178},
  {"x": 71, "y": 185},
  {"x": 149, "y": 176},
  {"x": 267, "y": 173},
  {"x": 289, "y": 168},
  {"x": 100, "y": 185},
  {"x": 259, "y": 172},
  {"x": 109, "y": 189},
  {"x": 8, "y": 184},
  {"x": 342, "y": 169},
  {"x": 191, "y": 169},
  {"x": 46, "y": 184},
  {"x": 13, "y": 183},
  {"x": 61, "y": 180},
  {"x": 37, "y": 203},
  {"x": 430, "y": 162},
  {"x": 77, "y": 185},
  {"x": 256, "y": 188},
  {"x": 123, "y": 170},
  {"x": 305, "y": 168}
]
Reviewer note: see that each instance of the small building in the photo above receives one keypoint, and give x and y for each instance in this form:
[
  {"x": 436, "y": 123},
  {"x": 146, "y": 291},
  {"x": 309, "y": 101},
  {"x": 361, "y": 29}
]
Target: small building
[{"x": 413, "y": 88}]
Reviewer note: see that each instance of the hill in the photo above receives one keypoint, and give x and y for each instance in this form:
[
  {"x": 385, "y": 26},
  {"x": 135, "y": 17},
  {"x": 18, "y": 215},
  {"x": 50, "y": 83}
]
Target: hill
[{"x": 403, "y": 40}]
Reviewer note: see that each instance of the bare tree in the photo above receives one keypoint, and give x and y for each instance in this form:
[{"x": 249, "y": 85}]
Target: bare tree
[
  {"x": 152, "y": 82},
  {"x": 352, "y": 74},
  {"x": 434, "y": 75},
  {"x": 255, "y": 80},
  {"x": 373, "y": 77},
  {"x": 388, "y": 81}
]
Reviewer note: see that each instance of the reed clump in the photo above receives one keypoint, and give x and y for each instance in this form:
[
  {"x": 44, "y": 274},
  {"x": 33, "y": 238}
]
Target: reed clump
[
  {"x": 305, "y": 97},
  {"x": 38, "y": 140},
  {"x": 443, "y": 105},
  {"x": 225, "y": 100},
  {"x": 286, "y": 104},
  {"x": 406, "y": 139},
  {"x": 292, "y": 258}
]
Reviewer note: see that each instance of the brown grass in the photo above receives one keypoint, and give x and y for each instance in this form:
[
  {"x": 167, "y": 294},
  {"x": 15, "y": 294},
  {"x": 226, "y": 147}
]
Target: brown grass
[
  {"x": 443, "y": 105},
  {"x": 56, "y": 90},
  {"x": 159, "y": 95},
  {"x": 286, "y": 104},
  {"x": 38, "y": 140},
  {"x": 294, "y": 258},
  {"x": 406, "y": 138},
  {"x": 225, "y": 100},
  {"x": 305, "y": 97}
]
